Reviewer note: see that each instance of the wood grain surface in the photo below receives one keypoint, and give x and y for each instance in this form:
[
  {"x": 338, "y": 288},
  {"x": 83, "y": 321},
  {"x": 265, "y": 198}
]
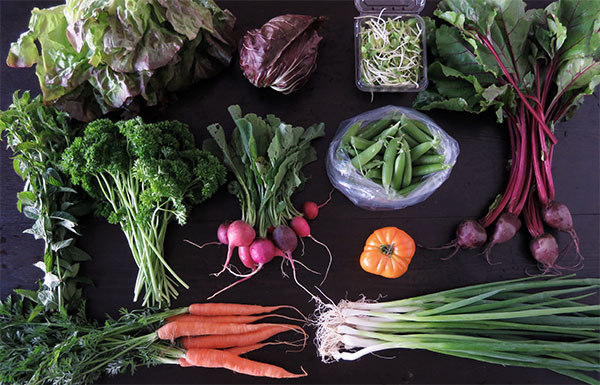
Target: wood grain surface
[{"x": 330, "y": 96}]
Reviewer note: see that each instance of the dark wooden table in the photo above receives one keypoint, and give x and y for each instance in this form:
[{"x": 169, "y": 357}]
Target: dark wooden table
[{"x": 330, "y": 96}]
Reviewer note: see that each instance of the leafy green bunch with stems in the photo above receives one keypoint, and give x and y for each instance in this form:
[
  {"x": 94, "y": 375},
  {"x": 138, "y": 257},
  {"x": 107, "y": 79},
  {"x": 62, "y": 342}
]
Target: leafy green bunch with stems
[
  {"x": 56, "y": 348},
  {"x": 144, "y": 176},
  {"x": 529, "y": 322},
  {"x": 37, "y": 135},
  {"x": 266, "y": 157}
]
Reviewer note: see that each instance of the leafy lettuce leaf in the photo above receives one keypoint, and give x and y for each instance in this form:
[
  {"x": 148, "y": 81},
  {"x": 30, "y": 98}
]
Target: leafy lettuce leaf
[{"x": 101, "y": 55}]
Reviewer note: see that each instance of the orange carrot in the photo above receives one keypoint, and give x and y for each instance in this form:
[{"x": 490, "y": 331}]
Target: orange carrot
[
  {"x": 212, "y": 358},
  {"x": 231, "y": 340},
  {"x": 178, "y": 329},
  {"x": 235, "y": 319},
  {"x": 237, "y": 350},
  {"x": 184, "y": 363},
  {"x": 211, "y": 309}
]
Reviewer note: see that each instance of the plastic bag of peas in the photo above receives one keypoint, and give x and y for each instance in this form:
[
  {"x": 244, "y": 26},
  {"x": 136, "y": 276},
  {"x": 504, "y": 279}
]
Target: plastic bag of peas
[{"x": 390, "y": 158}]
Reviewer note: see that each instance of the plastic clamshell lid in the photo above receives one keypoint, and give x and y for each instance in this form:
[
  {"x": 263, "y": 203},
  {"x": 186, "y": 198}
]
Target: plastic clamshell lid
[{"x": 376, "y": 6}]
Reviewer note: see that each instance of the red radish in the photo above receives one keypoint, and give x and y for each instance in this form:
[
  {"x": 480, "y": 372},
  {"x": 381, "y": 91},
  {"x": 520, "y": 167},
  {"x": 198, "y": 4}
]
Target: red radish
[
  {"x": 469, "y": 235},
  {"x": 239, "y": 233},
  {"x": 221, "y": 236},
  {"x": 558, "y": 216},
  {"x": 261, "y": 251},
  {"x": 506, "y": 227},
  {"x": 245, "y": 257},
  {"x": 287, "y": 241},
  {"x": 311, "y": 209},
  {"x": 302, "y": 229},
  {"x": 222, "y": 232}
]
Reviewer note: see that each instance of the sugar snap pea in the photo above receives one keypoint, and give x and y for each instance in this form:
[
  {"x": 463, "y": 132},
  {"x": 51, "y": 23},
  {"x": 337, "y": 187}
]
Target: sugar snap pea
[
  {"x": 388, "y": 132},
  {"x": 429, "y": 159},
  {"x": 411, "y": 129},
  {"x": 407, "y": 166},
  {"x": 374, "y": 128},
  {"x": 360, "y": 143},
  {"x": 407, "y": 190},
  {"x": 429, "y": 169},
  {"x": 420, "y": 150},
  {"x": 374, "y": 173},
  {"x": 422, "y": 126},
  {"x": 389, "y": 157},
  {"x": 398, "y": 170},
  {"x": 366, "y": 155},
  {"x": 411, "y": 142},
  {"x": 352, "y": 131}
]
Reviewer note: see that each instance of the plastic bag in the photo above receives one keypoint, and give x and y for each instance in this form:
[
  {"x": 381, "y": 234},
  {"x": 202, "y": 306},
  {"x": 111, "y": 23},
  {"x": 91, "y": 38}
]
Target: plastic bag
[{"x": 369, "y": 195}]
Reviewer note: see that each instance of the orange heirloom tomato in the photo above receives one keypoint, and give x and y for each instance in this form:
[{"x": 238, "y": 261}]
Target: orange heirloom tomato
[{"x": 387, "y": 252}]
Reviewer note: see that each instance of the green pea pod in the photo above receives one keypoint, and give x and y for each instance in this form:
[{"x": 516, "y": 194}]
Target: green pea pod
[
  {"x": 407, "y": 166},
  {"x": 420, "y": 150},
  {"x": 398, "y": 170},
  {"x": 429, "y": 159},
  {"x": 375, "y": 128},
  {"x": 427, "y": 169},
  {"x": 352, "y": 131},
  {"x": 388, "y": 132},
  {"x": 360, "y": 143},
  {"x": 388, "y": 162},
  {"x": 411, "y": 129},
  {"x": 422, "y": 126},
  {"x": 374, "y": 173},
  {"x": 411, "y": 142},
  {"x": 407, "y": 190},
  {"x": 350, "y": 151},
  {"x": 366, "y": 155}
]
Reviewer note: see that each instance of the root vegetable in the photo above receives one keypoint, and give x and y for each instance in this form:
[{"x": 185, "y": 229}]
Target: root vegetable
[
  {"x": 545, "y": 250},
  {"x": 302, "y": 229},
  {"x": 558, "y": 216},
  {"x": 212, "y": 358},
  {"x": 239, "y": 233},
  {"x": 310, "y": 209},
  {"x": 505, "y": 229}
]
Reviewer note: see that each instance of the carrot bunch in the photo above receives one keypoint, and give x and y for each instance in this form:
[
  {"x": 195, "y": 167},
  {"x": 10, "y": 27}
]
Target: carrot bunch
[{"x": 215, "y": 335}]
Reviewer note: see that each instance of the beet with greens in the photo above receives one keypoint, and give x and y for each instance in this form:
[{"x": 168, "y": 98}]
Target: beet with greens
[{"x": 533, "y": 67}]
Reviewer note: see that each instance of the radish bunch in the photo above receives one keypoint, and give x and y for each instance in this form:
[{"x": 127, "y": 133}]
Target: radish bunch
[{"x": 255, "y": 252}]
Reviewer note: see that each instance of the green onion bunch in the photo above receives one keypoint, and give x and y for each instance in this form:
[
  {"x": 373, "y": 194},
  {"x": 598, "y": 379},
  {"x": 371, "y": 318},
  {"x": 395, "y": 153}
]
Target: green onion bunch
[{"x": 529, "y": 322}]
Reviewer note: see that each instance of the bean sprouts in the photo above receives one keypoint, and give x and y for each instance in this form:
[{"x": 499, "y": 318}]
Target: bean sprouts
[{"x": 391, "y": 51}]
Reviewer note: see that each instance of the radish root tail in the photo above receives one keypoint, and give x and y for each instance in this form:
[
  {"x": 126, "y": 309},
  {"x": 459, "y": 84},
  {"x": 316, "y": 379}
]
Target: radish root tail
[
  {"x": 202, "y": 245},
  {"x": 330, "y": 258}
]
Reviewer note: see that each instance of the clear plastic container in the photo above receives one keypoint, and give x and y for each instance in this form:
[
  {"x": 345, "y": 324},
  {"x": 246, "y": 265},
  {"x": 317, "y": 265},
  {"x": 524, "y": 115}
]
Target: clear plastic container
[{"x": 402, "y": 9}]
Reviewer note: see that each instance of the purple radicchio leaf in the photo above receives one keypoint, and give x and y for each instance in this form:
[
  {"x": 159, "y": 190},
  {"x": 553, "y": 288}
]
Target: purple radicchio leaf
[{"x": 282, "y": 54}]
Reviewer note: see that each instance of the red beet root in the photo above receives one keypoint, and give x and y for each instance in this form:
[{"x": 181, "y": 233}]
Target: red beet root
[
  {"x": 558, "y": 216},
  {"x": 505, "y": 229}
]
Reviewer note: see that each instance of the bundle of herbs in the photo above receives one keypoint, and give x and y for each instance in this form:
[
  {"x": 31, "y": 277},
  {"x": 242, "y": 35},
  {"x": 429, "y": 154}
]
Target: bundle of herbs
[
  {"x": 143, "y": 176},
  {"x": 37, "y": 135},
  {"x": 529, "y": 322},
  {"x": 534, "y": 68}
]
